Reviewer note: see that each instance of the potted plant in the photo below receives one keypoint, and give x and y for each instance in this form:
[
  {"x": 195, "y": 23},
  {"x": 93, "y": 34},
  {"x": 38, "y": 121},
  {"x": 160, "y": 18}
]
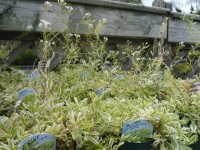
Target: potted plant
[{"x": 136, "y": 133}]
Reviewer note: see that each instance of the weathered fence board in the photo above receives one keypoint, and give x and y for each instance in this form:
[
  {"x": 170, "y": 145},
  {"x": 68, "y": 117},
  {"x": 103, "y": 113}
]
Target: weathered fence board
[
  {"x": 119, "y": 5},
  {"x": 124, "y": 20},
  {"x": 26, "y": 16},
  {"x": 183, "y": 28},
  {"x": 121, "y": 23}
]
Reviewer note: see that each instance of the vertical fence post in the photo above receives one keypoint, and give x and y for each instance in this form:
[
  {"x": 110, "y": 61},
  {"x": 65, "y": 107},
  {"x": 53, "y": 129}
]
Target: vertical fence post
[{"x": 162, "y": 3}]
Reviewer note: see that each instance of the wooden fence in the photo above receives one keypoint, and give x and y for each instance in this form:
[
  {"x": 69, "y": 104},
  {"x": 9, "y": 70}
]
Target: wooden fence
[{"x": 21, "y": 20}]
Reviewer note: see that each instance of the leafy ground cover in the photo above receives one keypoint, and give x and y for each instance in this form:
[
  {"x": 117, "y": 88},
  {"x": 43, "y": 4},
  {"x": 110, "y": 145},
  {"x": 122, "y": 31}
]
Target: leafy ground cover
[
  {"x": 85, "y": 102},
  {"x": 66, "y": 104}
]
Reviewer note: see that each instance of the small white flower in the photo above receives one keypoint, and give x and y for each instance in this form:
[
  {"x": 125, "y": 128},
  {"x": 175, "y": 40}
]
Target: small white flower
[
  {"x": 133, "y": 54},
  {"x": 47, "y": 23},
  {"x": 40, "y": 25},
  {"x": 194, "y": 12},
  {"x": 41, "y": 41},
  {"x": 77, "y": 35},
  {"x": 124, "y": 53},
  {"x": 62, "y": 2},
  {"x": 123, "y": 99},
  {"x": 88, "y": 15},
  {"x": 181, "y": 43},
  {"x": 69, "y": 8},
  {"x": 70, "y": 35},
  {"x": 90, "y": 26},
  {"x": 104, "y": 20},
  {"x": 29, "y": 27},
  {"x": 44, "y": 24},
  {"x": 47, "y": 4},
  {"x": 105, "y": 39},
  {"x": 167, "y": 52},
  {"x": 53, "y": 43},
  {"x": 138, "y": 48}
]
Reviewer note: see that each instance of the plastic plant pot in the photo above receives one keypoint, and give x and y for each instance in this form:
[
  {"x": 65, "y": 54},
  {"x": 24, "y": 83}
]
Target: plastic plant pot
[
  {"x": 135, "y": 146},
  {"x": 196, "y": 146}
]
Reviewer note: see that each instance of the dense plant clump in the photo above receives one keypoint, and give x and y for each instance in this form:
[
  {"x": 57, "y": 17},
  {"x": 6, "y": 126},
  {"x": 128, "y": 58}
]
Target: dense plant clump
[{"x": 66, "y": 105}]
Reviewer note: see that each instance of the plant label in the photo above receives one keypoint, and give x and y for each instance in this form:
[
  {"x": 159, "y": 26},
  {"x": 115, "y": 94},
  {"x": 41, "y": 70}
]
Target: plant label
[
  {"x": 42, "y": 141},
  {"x": 100, "y": 91},
  {"x": 25, "y": 92},
  {"x": 137, "y": 127},
  {"x": 195, "y": 87},
  {"x": 33, "y": 75},
  {"x": 120, "y": 77},
  {"x": 85, "y": 74}
]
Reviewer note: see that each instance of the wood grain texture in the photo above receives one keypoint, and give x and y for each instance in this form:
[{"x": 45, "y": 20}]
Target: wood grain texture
[
  {"x": 120, "y": 5},
  {"x": 4, "y": 8},
  {"x": 124, "y": 20},
  {"x": 25, "y": 13},
  {"x": 121, "y": 23},
  {"x": 182, "y": 31}
]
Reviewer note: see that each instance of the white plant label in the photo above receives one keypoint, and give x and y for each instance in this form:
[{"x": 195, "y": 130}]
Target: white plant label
[
  {"x": 137, "y": 127},
  {"x": 85, "y": 74},
  {"x": 25, "y": 92},
  {"x": 33, "y": 75},
  {"x": 43, "y": 141},
  {"x": 100, "y": 91},
  {"x": 120, "y": 77}
]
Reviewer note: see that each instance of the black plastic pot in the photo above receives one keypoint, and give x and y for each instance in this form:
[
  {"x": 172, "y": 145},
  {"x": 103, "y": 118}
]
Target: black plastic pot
[
  {"x": 196, "y": 146},
  {"x": 135, "y": 146}
]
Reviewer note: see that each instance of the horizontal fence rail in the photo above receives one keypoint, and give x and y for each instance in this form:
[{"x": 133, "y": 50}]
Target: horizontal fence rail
[{"x": 20, "y": 19}]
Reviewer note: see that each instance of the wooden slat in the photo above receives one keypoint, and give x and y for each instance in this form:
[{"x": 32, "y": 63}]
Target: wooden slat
[
  {"x": 121, "y": 23},
  {"x": 24, "y": 14},
  {"x": 178, "y": 15},
  {"x": 124, "y": 20},
  {"x": 17, "y": 51},
  {"x": 120, "y": 5},
  {"x": 182, "y": 31}
]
